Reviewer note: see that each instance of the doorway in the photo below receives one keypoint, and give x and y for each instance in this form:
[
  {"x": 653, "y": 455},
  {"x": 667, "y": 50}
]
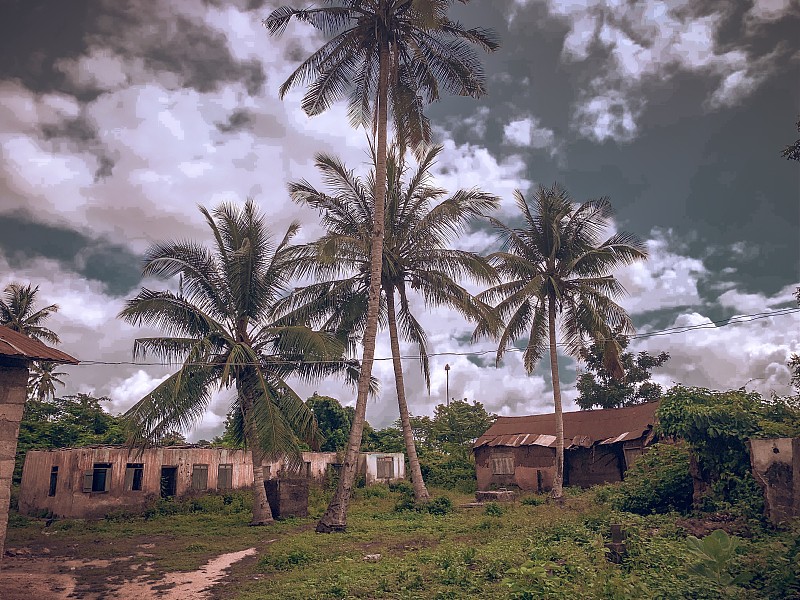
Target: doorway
[{"x": 169, "y": 480}]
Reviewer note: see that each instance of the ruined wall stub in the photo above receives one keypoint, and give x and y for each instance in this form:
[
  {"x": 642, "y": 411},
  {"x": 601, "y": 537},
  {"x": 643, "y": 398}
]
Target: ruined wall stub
[
  {"x": 776, "y": 468},
  {"x": 13, "y": 388}
]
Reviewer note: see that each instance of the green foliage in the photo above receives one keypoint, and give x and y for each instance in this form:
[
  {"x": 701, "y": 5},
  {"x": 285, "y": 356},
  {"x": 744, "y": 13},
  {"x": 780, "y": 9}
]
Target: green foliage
[
  {"x": 70, "y": 421},
  {"x": 454, "y": 472},
  {"x": 441, "y": 505},
  {"x": 455, "y": 428},
  {"x": 735, "y": 494},
  {"x": 713, "y": 556},
  {"x": 657, "y": 482},
  {"x": 598, "y": 388},
  {"x": 233, "y": 502},
  {"x": 288, "y": 561},
  {"x": 493, "y": 509},
  {"x": 717, "y": 425},
  {"x": 533, "y": 501},
  {"x": 333, "y": 421}
]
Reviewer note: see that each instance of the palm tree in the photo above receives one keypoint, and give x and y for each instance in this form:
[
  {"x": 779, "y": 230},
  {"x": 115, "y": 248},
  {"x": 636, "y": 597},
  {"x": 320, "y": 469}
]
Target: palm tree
[
  {"x": 223, "y": 326},
  {"x": 43, "y": 379},
  {"x": 392, "y": 57},
  {"x": 18, "y": 312},
  {"x": 417, "y": 229},
  {"x": 555, "y": 265}
]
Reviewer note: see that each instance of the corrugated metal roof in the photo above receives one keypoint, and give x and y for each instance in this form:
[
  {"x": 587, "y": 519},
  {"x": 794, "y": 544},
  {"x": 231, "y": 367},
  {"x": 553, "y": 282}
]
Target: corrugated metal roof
[
  {"x": 18, "y": 345},
  {"x": 582, "y": 428}
]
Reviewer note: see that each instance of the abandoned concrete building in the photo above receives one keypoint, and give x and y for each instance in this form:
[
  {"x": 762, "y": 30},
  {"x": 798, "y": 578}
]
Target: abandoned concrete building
[
  {"x": 92, "y": 481},
  {"x": 519, "y": 452},
  {"x": 776, "y": 468}
]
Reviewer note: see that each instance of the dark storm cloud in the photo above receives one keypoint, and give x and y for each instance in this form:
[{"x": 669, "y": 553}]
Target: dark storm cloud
[
  {"x": 22, "y": 240},
  {"x": 37, "y": 34},
  {"x": 237, "y": 120}
]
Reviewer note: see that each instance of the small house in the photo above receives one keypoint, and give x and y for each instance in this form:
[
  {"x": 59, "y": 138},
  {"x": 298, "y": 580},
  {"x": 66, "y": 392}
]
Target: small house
[
  {"x": 92, "y": 481},
  {"x": 599, "y": 445}
]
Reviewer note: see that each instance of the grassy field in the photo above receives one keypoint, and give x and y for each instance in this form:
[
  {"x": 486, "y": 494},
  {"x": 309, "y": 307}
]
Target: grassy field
[{"x": 527, "y": 550}]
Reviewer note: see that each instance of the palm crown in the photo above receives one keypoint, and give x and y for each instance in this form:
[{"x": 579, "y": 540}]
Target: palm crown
[
  {"x": 557, "y": 256},
  {"x": 419, "y": 226},
  {"x": 18, "y": 312},
  {"x": 223, "y": 325},
  {"x": 426, "y": 51}
]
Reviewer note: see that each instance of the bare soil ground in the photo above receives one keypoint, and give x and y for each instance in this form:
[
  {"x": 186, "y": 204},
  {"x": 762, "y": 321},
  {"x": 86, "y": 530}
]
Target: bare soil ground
[{"x": 41, "y": 574}]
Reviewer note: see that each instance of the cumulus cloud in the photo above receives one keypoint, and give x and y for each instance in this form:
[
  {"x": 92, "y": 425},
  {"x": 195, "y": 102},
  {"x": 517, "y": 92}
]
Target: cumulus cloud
[
  {"x": 635, "y": 44},
  {"x": 529, "y": 132}
]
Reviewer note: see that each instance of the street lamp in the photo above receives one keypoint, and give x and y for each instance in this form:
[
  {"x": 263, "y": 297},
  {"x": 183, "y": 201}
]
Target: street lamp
[{"x": 447, "y": 374}]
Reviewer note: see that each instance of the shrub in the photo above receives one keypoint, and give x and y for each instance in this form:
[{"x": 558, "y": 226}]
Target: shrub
[
  {"x": 533, "y": 501},
  {"x": 401, "y": 486},
  {"x": 658, "y": 482},
  {"x": 493, "y": 510},
  {"x": 449, "y": 472},
  {"x": 440, "y": 505}
]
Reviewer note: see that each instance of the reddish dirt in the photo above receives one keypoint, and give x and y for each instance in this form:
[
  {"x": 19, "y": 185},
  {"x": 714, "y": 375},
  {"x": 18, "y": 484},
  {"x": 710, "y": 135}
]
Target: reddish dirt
[{"x": 25, "y": 576}]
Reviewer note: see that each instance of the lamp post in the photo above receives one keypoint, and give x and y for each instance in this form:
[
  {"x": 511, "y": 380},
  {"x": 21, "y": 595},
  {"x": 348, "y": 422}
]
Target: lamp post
[{"x": 447, "y": 386}]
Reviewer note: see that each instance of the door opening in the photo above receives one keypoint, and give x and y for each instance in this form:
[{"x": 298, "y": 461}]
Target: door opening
[{"x": 169, "y": 480}]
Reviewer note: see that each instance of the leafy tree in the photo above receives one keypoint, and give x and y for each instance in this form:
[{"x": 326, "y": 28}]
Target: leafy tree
[
  {"x": 455, "y": 428},
  {"x": 66, "y": 422},
  {"x": 556, "y": 265},
  {"x": 419, "y": 226},
  {"x": 333, "y": 421},
  {"x": 392, "y": 56},
  {"x": 792, "y": 151},
  {"x": 223, "y": 326},
  {"x": 598, "y": 387},
  {"x": 43, "y": 378},
  {"x": 171, "y": 438},
  {"x": 18, "y": 312}
]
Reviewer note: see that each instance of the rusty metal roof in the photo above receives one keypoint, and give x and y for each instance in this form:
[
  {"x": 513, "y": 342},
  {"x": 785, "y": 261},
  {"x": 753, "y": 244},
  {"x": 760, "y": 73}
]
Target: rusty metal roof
[
  {"x": 582, "y": 428},
  {"x": 17, "y": 345}
]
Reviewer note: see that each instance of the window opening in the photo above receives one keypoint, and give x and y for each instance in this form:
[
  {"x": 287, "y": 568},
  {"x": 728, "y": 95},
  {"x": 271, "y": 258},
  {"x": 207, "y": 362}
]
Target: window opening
[
  {"x": 169, "y": 480},
  {"x": 134, "y": 473},
  {"x": 385, "y": 467},
  {"x": 225, "y": 476},
  {"x": 502, "y": 464},
  {"x": 98, "y": 479},
  {"x": 53, "y": 481},
  {"x": 200, "y": 477}
]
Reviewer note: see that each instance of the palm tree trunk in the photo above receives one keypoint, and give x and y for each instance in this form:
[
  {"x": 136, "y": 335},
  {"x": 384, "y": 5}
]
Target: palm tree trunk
[
  {"x": 262, "y": 514},
  {"x": 558, "y": 479},
  {"x": 335, "y": 517},
  {"x": 420, "y": 491}
]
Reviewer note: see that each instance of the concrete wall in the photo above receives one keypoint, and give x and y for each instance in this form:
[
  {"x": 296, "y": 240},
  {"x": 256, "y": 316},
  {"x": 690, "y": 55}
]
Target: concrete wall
[
  {"x": 586, "y": 467},
  {"x": 71, "y": 501},
  {"x": 368, "y": 466},
  {"x": 776, "y": 468},
  {"x": 13, "y": 387}
]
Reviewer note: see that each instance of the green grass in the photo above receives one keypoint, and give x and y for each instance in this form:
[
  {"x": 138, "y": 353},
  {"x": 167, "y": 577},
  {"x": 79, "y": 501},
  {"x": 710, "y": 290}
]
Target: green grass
[{"x": 522, "y": 551}]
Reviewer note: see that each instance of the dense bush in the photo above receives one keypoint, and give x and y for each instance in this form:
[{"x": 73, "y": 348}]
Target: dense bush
[
  {"x": 657, "y": 482},
  {"x": 449, "y": 472}
]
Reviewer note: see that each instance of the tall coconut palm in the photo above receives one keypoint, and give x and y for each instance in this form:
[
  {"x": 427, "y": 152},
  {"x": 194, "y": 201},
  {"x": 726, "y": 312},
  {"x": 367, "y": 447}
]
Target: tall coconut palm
[
  {"x": 43, "y": 379},
  {"x": 555, "y": 266},
  {"x": 18, "y": 312},
  {"x": 387, "y": 56},
  {"x": 223, "y": 326},
  {"x": 419, "y": 226}
]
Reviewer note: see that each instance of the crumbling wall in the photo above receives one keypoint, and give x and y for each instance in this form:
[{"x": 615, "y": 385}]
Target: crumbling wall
[
  {"x": 776, "y": 468},
  {"x": 598, "y": 464}
]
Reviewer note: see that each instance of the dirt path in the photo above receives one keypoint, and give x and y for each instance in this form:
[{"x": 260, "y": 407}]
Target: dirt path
[{"x": 36, "y": 578}]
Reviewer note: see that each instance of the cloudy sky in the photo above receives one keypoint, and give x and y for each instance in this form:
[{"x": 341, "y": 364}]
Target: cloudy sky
[{"x": 118, "y": 118}]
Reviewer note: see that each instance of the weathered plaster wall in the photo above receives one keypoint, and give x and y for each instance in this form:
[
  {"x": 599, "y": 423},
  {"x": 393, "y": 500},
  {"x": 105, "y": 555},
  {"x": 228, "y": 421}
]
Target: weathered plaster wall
[
  {"x": 71, "y": 501},
  {"x": 586, "y": 467},
  {"x": 13, "y": 386},
  {"x": 776, "y": 468}
]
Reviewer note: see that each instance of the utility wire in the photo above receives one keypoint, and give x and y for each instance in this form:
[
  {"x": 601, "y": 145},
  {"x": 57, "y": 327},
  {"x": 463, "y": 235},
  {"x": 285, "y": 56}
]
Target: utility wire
[{"x": 735, "y": 320}]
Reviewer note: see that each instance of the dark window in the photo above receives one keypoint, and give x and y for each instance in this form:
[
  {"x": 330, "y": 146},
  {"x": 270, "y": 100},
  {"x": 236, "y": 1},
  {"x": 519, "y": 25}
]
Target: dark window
[
  {"x": 502, "y": 464},
  {"x": 169, "y": 481},
  {"x": 225, "y": 477},
  {"x": 134, "y": 472},
  {"x": 98, "y": 479},
  {"x": 200, "y": 477},
  {"x": 53, "y": 481},
  {"x": 385, "y": 467}
]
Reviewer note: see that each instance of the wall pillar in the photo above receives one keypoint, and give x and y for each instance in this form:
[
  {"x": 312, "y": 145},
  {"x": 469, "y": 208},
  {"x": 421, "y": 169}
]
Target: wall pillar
[{"x": 13, "y": 391}]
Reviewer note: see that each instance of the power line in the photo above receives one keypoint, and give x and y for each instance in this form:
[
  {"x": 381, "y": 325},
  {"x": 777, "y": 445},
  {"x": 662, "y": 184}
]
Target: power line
[{"x": 735, "y": 320}]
